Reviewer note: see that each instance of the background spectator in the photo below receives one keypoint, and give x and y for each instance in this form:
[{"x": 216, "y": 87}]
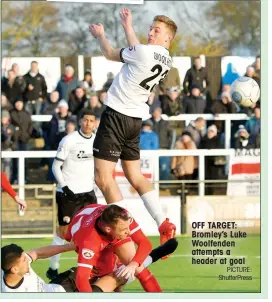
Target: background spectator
[
  {"x": 7, "y": 142},
  {"x": 196, "y": 129},
  {"x": 257, "y": 66},
  {"x": 166, "y": 140},
  {"x": 224, "y": 105},
  {"x": 5, "y": 104},
  {"x": 149, "y": 140},
  {"x": 51, "y": 104},
  {"x": 172, "y": 80},
  {"x": 171, "y": 103},
  {"x": 194, "y": 103},
  {"x": 67, "y": 83},
  {"x": 107, "y": 84},
  {"x": 183, "y": 166},
  {"x": 21, "y": 120},
  {"x": 243, "y": 139},
  {"x": 11, "y": 87},
  {"x": 19, "y": 78},
  {"x": 250, "y": 71},
  {"x": 153, "y": 102},
  {"x": 214, "y": 165},
  {"x": 253, "y": 126},
  {"x": 36, "y": 89},
  {"x": 196, "y": 75},
  {"x": 94, "y": 105},
  {"x": 102, "y": 96},
  {"x": 88, "y": 81},
  {"x": 77, "y": 100}
]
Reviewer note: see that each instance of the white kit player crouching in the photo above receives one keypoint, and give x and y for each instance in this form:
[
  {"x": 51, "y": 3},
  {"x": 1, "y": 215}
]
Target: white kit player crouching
[
  {"x": 74, "y": 171},
  {"x": 17, "y": 274}
]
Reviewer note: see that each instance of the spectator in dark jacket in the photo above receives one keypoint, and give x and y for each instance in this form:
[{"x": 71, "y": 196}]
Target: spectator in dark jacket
[
  {"x": 213, "y": 170},
  {"x": 161, "y": 127},
  {"x": 21, "y": 120},
  {"x": 77, "y": 100},
  {"x": 67, "y": 83},
  {"x": 196, "y": 129},
  {"x": 19, "y": 78},
  {"x": 110, "y": 78},
  {"x": 58, "y": 124},
  {"x": 7, "y": 142},
  {"x": 153, "y": 102},
  {"x": 102, "y": 96},
  {"x": 243, "y": 139},
  {"x": 11, "y": 87},
  {"x": 51, "y": 104},
  {"x": 94, "y": 106},
  {"x": 166, "y": 140},
  {"x": 36, "y": 89},
  {"x": 225, "y": 105},
  {"x": 194, "y": 103},
  {"x": 196, "y": 75},
  {"x": 5, "y": 104},
  {"x": 171, "y": 103},
  {"x": 149, "y": 140}
]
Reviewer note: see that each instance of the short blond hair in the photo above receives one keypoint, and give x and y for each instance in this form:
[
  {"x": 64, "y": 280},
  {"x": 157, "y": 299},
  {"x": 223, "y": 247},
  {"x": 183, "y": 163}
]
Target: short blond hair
[{"x": 168, "y": 22}]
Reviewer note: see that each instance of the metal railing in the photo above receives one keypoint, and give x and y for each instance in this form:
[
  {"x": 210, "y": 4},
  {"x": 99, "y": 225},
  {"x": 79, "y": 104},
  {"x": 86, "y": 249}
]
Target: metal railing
[{"x": 227, "y": 118}]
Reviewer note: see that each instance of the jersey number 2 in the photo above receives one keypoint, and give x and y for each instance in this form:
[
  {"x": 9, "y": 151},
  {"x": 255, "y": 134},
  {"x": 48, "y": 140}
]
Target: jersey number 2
[{"x": 158, "y": 69}]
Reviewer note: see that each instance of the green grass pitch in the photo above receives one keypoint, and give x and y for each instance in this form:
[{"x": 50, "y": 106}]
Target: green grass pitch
[{"x": 177, "y": 274}]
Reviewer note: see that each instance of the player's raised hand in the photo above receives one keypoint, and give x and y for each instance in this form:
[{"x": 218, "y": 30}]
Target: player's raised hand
[
  {"x": 97, "y": 30},
  {"x": 126, "y": 17}
]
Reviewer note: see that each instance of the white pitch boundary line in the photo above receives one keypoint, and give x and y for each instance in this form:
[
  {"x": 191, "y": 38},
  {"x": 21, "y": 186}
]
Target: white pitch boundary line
[{"x": 179, "y": 256}]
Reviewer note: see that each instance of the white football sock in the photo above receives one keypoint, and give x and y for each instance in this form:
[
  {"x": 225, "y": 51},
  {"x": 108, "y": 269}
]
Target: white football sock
[
  {"x": 153, "y": 206},
  {"x": 54, "y": 261}
]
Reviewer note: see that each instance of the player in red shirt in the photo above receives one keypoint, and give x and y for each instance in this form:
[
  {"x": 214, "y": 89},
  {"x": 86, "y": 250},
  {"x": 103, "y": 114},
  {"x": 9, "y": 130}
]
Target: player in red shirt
[
  {"x": 104, "y": 232},
  {"x": 6, "y": 186}
]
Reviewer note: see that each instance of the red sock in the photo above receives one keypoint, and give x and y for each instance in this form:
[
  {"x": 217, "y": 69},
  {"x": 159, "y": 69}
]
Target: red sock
[{"x": 149, "y": 282}]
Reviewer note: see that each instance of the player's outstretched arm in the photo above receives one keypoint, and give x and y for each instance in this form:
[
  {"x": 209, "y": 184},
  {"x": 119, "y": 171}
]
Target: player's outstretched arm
[
  {"x": 110, "y": 53},
  {"x": 126, "y": 18},
  {"x": 6, "y": 186},
  {"x": 49, "y": 251}
]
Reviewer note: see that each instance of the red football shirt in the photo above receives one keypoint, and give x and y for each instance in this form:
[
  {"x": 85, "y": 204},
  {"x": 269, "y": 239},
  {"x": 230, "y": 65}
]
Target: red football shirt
[{"x": 90, "y": 242}]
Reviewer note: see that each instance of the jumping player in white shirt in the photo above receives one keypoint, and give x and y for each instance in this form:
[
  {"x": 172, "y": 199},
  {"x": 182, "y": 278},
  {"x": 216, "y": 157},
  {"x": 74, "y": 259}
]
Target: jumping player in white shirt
[{"x": 118, "y": 134}]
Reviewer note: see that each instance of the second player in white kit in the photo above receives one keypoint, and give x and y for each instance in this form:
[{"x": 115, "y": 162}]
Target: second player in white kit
[{"x": 73, "y": 168}]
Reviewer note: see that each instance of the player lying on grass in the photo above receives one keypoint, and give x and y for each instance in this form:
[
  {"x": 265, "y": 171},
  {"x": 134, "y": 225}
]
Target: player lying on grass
[
  {"x": 118, "y": 134},
  {"x": 6, "y": 186},
  {"x": 18, "y": 276},
  {"x": 100, "y": 232}
]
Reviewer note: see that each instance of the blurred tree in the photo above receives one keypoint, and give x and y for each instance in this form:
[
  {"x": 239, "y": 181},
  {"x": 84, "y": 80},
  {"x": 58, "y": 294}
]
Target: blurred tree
[
  {"x": 80, "y": 16},
  {"x": 29, "y": 28},
  {"x": 238, "y": 23}
]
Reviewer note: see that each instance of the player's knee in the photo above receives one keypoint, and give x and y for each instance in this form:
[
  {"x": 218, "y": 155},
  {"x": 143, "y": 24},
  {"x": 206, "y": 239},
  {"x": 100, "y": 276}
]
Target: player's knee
[{"x": 102, "y": 180}]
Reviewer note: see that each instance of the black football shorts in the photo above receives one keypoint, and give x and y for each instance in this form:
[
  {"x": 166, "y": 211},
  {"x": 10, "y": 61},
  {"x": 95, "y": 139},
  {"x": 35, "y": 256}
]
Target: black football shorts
[{"x": 118, "y": 136}]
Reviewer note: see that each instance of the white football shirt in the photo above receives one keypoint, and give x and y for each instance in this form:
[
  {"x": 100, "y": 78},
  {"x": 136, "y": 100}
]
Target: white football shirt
[
  {"x": 31, "y": 283},
  {"x": 76, "y": 152},
  {"x": 145, "y": 66}
]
